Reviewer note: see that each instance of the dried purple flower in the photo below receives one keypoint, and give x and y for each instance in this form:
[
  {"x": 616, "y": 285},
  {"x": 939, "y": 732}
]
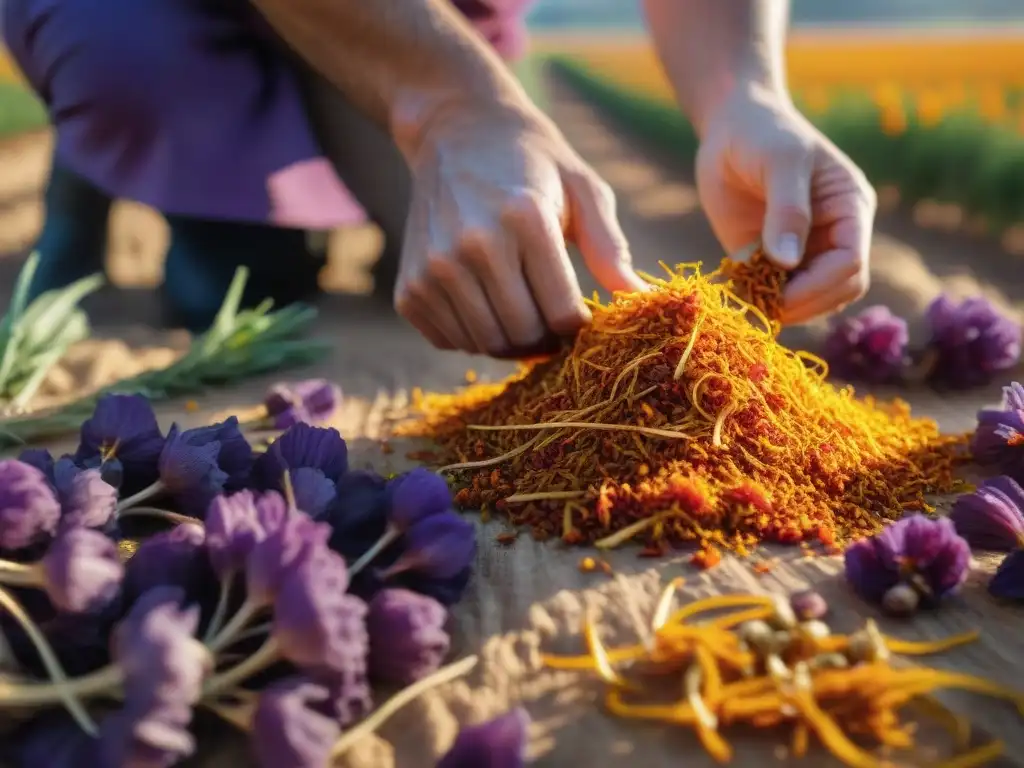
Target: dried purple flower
[
  {"x": 924, "y": 553},
  {"x": 992, "y": 517},
  {"x": 350, "y": 697},
  {"x": 232, "y": 530},
  {"x": 86, "y": 499},
  {"x": 971, "y": 341},
  {"x": 288, "y": 731},
  {"x": 302, "y": 446},
  {"x": 999, "y": 437},
  {"x": 40, "y": 458},
  {"x": 29, "y": 509},
  {"x": 407, "y": 636},
  {"x": 869, "y": 346},
  {"x": 1008, "y": 581},
  {"x": 317, "y": 624},
  {"x": 314, "y": 491},
  {"x": 417, "y": 495},
  {"x": 197, "y": 464},
  {"x": 439, "y": 546},
  {"x": 164, "y": 666},
  {"x": 174, "y": 558},
  {"x": 83, "y": 571},
  {"x": 123, "y": 427},
  {"x": 808, "y": 605},
  {"x": 410, "y": 498},
  {"x": 498, "y": 743},
  {"x": 312, "y": 401},
  {"x": 272, "y": 560}
]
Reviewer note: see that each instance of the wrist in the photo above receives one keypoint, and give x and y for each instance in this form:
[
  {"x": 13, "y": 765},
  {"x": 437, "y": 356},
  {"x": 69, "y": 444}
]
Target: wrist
[
  {"x": 752, "y": 79},
  {"x": 420, "y": 119}
]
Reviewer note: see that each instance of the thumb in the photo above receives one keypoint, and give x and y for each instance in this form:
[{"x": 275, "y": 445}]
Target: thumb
[
  {"x": 594, "y": 227},
  {"x": 787, "y": 217}
]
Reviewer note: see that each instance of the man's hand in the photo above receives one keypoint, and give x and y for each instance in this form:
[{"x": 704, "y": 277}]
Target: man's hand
[
  {"x": 497, "y": 192},
  {"x": 765, "y": 173}
]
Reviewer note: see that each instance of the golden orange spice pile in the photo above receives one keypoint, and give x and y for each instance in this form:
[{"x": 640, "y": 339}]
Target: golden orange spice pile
[{"x": 677, "y": 417}]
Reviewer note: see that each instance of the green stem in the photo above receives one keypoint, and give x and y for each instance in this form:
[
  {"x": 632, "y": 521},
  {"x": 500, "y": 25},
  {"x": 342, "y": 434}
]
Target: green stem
[
  {"x": 165, "y": 514},
  {"x": 399, "y": 700},
  {"x": 21, "y": 574},
  {"x": 221, "y": 611},
  {"x": 59, "y": 680},
  {"x": 235, "y": 625},
  {"x": 263, "y": 658},
  {"x": 144, "y": 495},
  {"x": 379, "y": 546}
]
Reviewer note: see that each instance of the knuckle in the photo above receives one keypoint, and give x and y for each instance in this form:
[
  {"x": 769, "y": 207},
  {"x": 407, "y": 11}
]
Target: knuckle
[
  {"x": 566, "y": 323},
  {"x": 475, "y": 247},
  {"x": 438, "y": 266},
  {"x": 524, "y": 205}
]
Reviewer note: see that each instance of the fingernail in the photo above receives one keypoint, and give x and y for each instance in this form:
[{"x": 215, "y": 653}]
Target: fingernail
[{"x": 787, "y": 251}]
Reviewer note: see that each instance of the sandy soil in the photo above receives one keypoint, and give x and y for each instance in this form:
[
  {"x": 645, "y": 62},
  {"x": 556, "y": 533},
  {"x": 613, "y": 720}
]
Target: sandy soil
[{"x": 531, "y": 597}]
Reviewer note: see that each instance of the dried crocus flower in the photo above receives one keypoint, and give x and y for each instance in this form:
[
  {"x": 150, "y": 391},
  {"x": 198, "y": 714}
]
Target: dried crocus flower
[
  {"x": 971, "y": 341},
  {"x": 174, "y": 558},
  {"x": 918, "y": 551},
  {"x": 999, "y": 437},
  {"x": 302, "y": 446},
  {"x": 439, "y": 546},
  {"x": 86, "y": 499},
  {"x": 314, "y": 492},
  {"x": 274, "y": 558},
  {"x": 407, "y": 636},
  {"x": 1008, "y": 581},
  {"x": 29, "y": 509},
  {"x": 498, "y": 743},
  {"x": 288, "y": 731},
  {"x": 869, "y": 346},
  {"x": 83, "y": 571},
  {"x": 317, "y": 624},
  {"x": 232, "y": 530},
  {"x": 312, "y": 401},
  {"x": 992, "y": 517},
  {"x": 123, "y": 427}
]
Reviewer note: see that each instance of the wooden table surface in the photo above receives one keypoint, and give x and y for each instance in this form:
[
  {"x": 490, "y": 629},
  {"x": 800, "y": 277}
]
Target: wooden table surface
[{"x": 531, "y": 597}]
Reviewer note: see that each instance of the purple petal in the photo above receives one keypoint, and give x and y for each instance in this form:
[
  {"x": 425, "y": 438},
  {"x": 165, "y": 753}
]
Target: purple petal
[
  {"x": 868, "y": 573},
  {"x": 302, "y": 446},
  {"x": 283, "y": 551},
  {"x": 317, "y": 624},
  {"x": 29, "y": 509},
  {"x": 288, "y": 731},
  {"x": 973, "y": 341},
  {"x": 439, "y": 546},
  {"x": 83, "y": 571},
  {"x": 499, "y": 743},
  {"x": 232, "y": 530},
  {"x": 991, "y": 517},
  {"x": 407, "y": 636},
  {"x": 314, "y": 491},
  {"x": 417, "y": 495},
  {"x": 1008, "y": 581},
  {"x": 86, "y": 498},
  {"x": 870, "y": 346},
  {"x": 125, "y": 427}
]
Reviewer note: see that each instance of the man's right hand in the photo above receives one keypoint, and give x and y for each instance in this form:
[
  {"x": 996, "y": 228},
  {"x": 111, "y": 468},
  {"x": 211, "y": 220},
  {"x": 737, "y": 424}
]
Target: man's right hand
[{"x": 497, "y": 193}]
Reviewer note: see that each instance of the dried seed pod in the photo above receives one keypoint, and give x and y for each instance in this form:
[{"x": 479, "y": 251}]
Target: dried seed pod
[
  {"x": 808, "y": 605},
  {"x": 901, "y": 600},
  {"x": 783, "y": 616},
  {"x": 815, "y": 630},
  {"x": 867, "y": 644},
  {"x": 829, "y": 661},
  {"x": 757, "y": 634}
]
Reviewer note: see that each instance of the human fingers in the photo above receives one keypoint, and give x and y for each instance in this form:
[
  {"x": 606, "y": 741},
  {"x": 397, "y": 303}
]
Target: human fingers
[
  {"x": 834, "y": 280},
  {"x": 549, "y": 271},
  {"x": 787, "y": 217},
  {"x": 466, "y": 301},
  {"x": 594, "y": 226},
  {"x": 417, "y": 308},
  {"x": 493, "y": 256}
]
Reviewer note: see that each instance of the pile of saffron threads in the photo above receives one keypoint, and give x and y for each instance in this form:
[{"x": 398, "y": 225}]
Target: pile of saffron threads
[
  {"x": 676, "y": 417},
  {"x": 758, "y": 282},
  {"x": 760, "y": 666}
]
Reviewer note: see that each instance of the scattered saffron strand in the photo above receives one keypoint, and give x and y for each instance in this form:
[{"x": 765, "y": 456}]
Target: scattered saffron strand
[
  {"x": 380, "y": 715},
  {"x": 581, "y": 425},
  {"x": 523, "y": 498}
]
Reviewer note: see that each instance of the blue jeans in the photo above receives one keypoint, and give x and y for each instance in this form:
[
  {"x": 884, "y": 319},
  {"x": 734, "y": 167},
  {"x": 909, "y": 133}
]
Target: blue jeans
[{"x": 201, "y": 260}]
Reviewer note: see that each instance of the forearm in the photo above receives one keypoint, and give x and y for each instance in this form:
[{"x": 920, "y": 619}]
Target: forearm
[
  {"x": 402, "y": 63},
  {"x": 711, "y": 47}
]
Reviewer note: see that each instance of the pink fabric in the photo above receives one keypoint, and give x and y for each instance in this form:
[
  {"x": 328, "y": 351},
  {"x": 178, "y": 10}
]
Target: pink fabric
[{"x": 309, "y": 194}]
